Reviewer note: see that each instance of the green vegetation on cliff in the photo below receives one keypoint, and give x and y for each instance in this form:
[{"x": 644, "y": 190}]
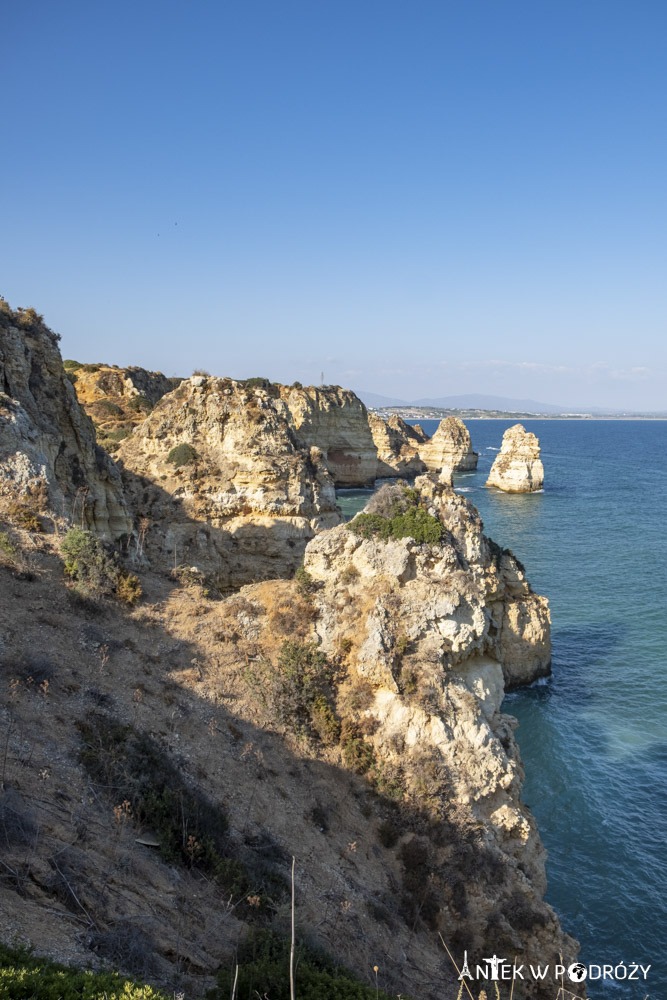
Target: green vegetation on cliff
[
  {"x": 397, "y": 512},
  {"x": 24, "y": 976}
]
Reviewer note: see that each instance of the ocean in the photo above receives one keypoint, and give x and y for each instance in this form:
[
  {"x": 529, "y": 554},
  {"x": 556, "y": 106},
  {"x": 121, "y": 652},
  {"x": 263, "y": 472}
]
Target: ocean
[{"x": 593, "y": 737}]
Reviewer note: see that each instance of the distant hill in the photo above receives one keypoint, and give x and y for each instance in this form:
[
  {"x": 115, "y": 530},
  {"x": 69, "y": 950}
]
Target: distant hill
[
  {"x": 478, "y": 401},
  {"x": 373, "y": 399}
]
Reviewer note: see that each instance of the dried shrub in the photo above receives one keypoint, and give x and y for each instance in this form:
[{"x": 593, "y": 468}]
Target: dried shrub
[
  {"x": 350, "y": 574},
  {"x": 17, "y": 825},
  {"x": 128, "y": 946}
]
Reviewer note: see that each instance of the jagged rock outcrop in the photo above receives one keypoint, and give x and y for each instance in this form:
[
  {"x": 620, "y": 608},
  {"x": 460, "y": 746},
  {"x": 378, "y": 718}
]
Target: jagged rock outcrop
[
  {"x": 117, "y": 399},
  {"x": 397, "y": 445},
  {"x": 517, "y": 467},
  {"x": 449, "y": 448},
  {"x": 434, "y": 634},
  {"x": 335, "y": 421},
  {"x": 46, "y": 439},
  {"x": 220, "y": 480}
]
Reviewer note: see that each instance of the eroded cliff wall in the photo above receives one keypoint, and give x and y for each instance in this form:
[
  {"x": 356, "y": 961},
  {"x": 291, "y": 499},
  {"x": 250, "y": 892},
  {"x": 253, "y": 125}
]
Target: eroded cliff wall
[
  {"x": 220, "y": 480},
  {"x": 45, "y": 436}
]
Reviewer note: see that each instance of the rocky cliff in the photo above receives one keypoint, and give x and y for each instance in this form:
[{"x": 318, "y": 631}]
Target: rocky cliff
[
  {"x": 46, "y": 440},
  {"x": 220, "y": 480},
  {"x": 449, "y": 448},
  {"x": 517, "y": 467},
  {"x": 434, "y": 633},
  {"x": 397, "y": 445},
  {"x": 117, "y": 399},
  {"x": 335, "y": 421},
  {"x": 165, "y": 761}
]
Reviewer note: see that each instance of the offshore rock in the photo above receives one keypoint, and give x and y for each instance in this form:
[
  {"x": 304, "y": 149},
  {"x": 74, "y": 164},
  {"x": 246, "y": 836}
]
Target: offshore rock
[
  {"x": 450, "y": 447},
  {"x": 46, "y": 440},
  {"x": 397, "y": 445},
  {"x": 219, "y": 480},
  {"x": 517, "y": 467}
]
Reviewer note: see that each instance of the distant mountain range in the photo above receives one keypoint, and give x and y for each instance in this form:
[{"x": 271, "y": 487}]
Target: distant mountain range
[{"x": 470, "y": 401}]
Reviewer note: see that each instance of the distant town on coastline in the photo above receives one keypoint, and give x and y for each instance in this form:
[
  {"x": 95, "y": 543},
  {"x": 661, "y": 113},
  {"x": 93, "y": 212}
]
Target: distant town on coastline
[{"x": 477, "y": 406}]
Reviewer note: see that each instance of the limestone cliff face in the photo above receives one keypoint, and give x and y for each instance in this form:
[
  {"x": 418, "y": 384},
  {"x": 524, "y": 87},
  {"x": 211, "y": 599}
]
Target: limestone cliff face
[
  {"x": 435, "y": 634},
  {"x": 95, "y": 382},
  {"x": 517, "y": 467},
  {"x": 397, "y": 445},
  {"x": 335, "y": 421},
  {"x": 449, "y": 448},
  {"x": 45, "y": 437},
  {"x": 117, "y": 399},
  {"x": 221, "y": 481}
]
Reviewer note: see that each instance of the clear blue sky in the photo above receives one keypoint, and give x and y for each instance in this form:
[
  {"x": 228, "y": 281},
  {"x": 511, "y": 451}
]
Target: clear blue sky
[{"x": 419, "y": 198}]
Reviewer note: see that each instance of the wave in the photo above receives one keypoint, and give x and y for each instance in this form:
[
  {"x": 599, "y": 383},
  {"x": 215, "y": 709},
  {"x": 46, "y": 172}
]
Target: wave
[
  {"x": 490, "y": 447},
  {"x": 465, "y": 489}
]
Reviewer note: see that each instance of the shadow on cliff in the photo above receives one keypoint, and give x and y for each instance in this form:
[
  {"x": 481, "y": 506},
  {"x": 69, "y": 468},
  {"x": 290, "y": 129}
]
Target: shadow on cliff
[
  {"x": 266, "y": 548},
  {"x": 230, "y": 783}
]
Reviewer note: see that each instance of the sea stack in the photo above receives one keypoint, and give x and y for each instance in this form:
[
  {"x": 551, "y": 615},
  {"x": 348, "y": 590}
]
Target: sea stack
[
  {"x": 517, "y": 468},
  {"x": 450, "y": 447},
  {"x": 397, "y": 446}
]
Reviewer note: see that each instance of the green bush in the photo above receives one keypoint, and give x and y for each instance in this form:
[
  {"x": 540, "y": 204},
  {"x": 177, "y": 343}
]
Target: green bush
[
  {"x": 298, "y": 690},
  {"x": 7, "y": 547},
  {"x": 257, "y": 383},
  {"x": 304, "y": 582},
  {"x": 88, "y": 564},
  {"x": 182, "y": 454},
  {"x": 263, "y": 963},
  {"x": 109, "y": 407},
  {"x": 140, "y": 404},
  {"x": 358, "y": 755},
  {"x": 405, "y": 518},
  {"x": 24, "y": 976},
  {"x": 72, "y": 365}
]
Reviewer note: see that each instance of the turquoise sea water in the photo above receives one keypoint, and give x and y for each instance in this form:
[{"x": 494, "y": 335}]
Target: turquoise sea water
[{"x": 594, "y": 737}]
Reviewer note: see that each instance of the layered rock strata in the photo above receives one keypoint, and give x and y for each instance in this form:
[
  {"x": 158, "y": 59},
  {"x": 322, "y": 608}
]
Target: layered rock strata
[
  {"x": 46, "y": 440},
  {"x": 335, "y": 421},
  {"x": 219, "y": 479},
  {"x": 449, "y": 448},
  {"x": 397, "y": 445},
  {"x": 517, "y": 467}
]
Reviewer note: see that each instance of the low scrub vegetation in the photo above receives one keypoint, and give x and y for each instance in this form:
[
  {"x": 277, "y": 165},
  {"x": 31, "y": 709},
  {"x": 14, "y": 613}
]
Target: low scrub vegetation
[
  {"x": 263, "y": 971},
  {"x": 94, "y": 571},
  {"x": 24, "y": 976},
  {"x": 297, "y": 690},
  {"x": 397, "y": 512},
  {"x": 138, "y": 778},
  {"x": 182, "y": 454}
]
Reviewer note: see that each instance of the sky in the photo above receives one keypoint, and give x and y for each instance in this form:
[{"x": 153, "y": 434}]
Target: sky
[{"x": 416, "y": 199}]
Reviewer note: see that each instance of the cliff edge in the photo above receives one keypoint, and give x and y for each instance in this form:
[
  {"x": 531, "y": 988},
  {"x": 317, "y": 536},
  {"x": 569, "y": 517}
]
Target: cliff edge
[{"x": 49, "y": 457}]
